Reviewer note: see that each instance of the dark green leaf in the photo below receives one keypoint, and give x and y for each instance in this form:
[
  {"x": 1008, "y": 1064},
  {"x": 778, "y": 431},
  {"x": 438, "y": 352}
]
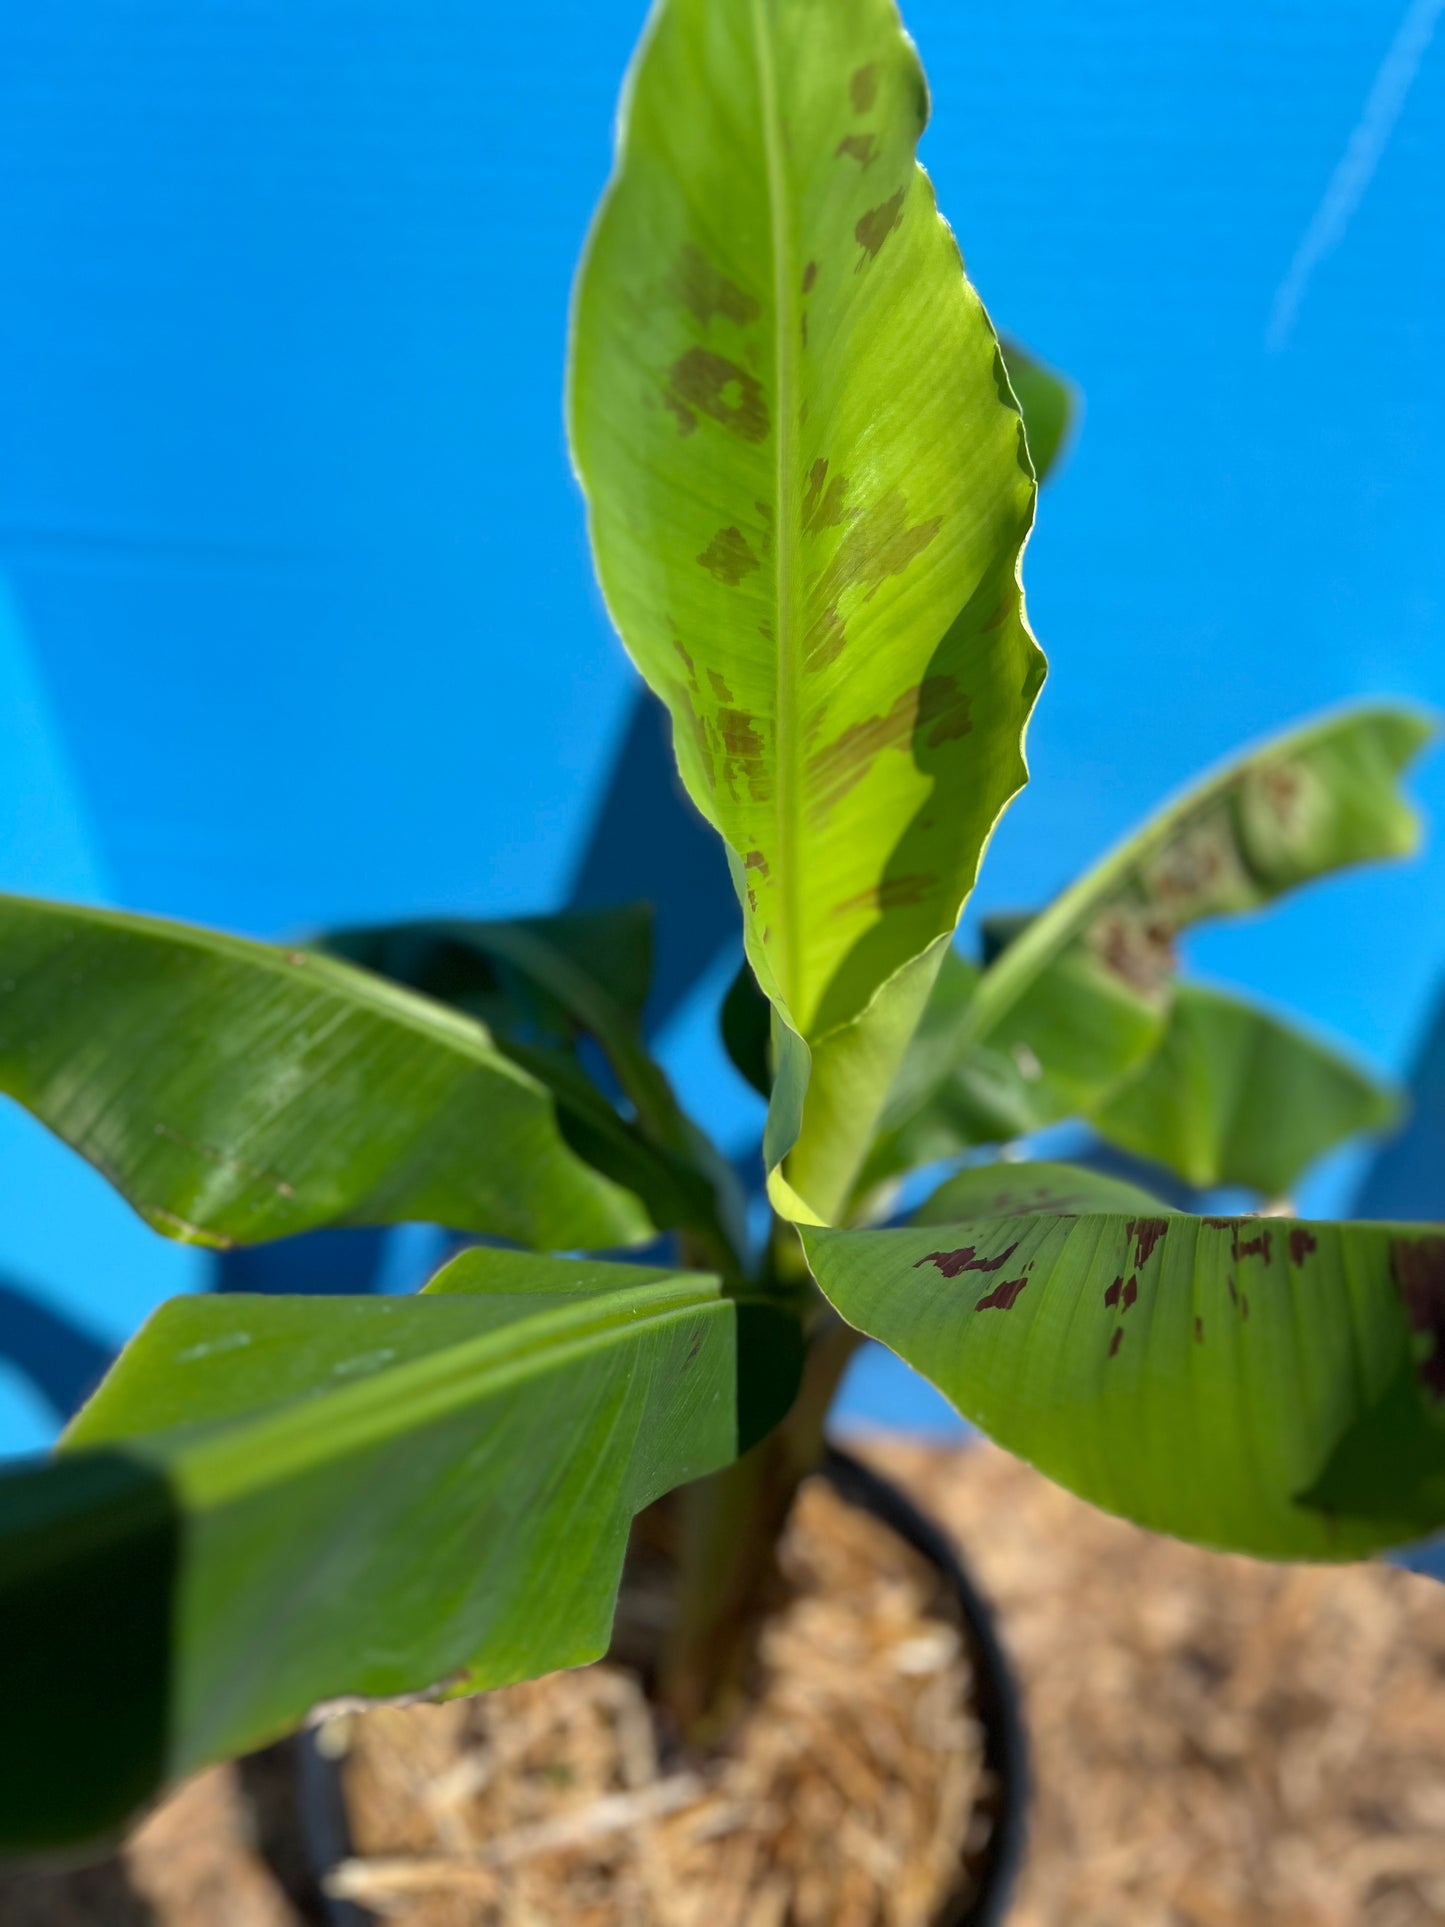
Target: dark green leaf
[
  {"x": 1047, "y": 402},
  {"x": 275, "y": 1501},
  {"x": 746, "y": 1023},
  {"x": 540, "y": 982},
  {"x": 234, "y": 1092}
]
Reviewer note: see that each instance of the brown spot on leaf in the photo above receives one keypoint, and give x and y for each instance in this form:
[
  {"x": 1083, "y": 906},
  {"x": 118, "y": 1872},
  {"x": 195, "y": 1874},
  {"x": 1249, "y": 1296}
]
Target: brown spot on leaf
[
  {"x": 1223, "y": 1224},
  {"x": 1301, "y": 1244},
  {"x": 719, "y": 686},
  {"x": 810, "y": 275},
  {"x": 702, "y": 383},
  {"x": 863, "y": 87},
  {"x": 1198, "y": 1330},
  {"x": 745, "y": 750},
  {"x": 682, "y": 649},
  {"x": 1255, "y": 1247},
  {"x": 705, "y": 292},
  {"x": 826, "y": 638},
  {"x": 728, "y": 558},
  {"x": 839, "y": 765},
  {"x": 1148, "y": 1232},
  {"x": 936, "y": 707},
  {"x": 857, "y": 147},
  {"x": 824, "y": 503},
  {"x": 1193, "y": 870},
  {"x": 1134, "y": 946},
  {"x": 951, "y": 1263},
  {"x": 1111, "y": 1296},
  {"x": 1281, "y": 785},
  {"x": 755, "y": 860},
  {"x": 1117, "y": 1340},
  {"x": 1003, "y": 1297},
  {"x": 874, "y": 227},
  {"x": 1418, "y": 1267},
  {"x": 880, "y": 542},
  {"x": 1243, "y": 1307}
]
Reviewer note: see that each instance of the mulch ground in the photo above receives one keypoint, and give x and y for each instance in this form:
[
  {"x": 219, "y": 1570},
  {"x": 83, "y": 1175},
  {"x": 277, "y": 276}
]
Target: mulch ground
[{"x": 1216, "y": 1743}]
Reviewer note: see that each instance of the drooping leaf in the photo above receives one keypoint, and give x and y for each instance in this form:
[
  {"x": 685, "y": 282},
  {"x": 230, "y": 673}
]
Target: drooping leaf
[
  {"x": 1259, "y": 1384},
  {"x": 1234, "y": 1096},
  {"x": 1314, "y": 800},
  {"x": 540, "y": 983},
  {"x": 1047, "y": 402},
  {"x": 234, "y": 1092},
  {"x": 277, "y": 1501},
  {"x": 1079, "y": 998},
  {"x": 1025, "y": 1188},
  {"x": 807, "y": 497}
]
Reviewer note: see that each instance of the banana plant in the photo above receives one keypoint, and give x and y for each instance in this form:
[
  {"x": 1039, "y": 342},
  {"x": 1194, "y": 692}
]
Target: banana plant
[{"x": 809, "y": 485}]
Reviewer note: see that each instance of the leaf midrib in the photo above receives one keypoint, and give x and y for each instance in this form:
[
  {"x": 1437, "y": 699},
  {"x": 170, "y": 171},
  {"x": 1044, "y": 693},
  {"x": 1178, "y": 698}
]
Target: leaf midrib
[
  {"x": 293, "y": 1437},
  {"x": 787, "y": 531}
]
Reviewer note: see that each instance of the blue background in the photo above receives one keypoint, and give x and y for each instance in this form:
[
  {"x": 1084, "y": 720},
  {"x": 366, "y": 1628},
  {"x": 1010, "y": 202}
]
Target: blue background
[{"x": 296, "y": 617}]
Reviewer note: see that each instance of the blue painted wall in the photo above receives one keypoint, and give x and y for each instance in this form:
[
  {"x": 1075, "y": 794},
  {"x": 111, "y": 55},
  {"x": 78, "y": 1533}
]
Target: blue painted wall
[{"x": 298, "y": 622}]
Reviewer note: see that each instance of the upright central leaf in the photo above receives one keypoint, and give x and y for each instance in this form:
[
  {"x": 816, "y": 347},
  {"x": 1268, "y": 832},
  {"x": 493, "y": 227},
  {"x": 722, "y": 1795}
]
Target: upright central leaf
[{"x": 809, "y": 491}]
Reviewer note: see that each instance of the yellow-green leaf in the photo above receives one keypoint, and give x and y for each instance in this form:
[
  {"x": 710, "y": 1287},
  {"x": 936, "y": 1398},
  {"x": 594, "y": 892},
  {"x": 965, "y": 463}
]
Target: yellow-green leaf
[{"x": 808, "y": 492}]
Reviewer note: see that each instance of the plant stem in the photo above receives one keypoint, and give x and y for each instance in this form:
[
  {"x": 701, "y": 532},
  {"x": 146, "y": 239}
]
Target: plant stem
[{"x": 727, "y": 1558}]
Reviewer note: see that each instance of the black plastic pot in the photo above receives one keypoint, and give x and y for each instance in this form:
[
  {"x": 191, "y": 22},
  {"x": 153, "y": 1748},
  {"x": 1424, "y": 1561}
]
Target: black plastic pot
[
  {"x": 986, "y": 1877},
  {"x": 986, "y": 1881}
]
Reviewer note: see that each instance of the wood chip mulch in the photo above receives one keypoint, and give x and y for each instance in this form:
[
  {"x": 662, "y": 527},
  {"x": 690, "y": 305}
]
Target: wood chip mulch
[{"x": 1216, "y": 1743}]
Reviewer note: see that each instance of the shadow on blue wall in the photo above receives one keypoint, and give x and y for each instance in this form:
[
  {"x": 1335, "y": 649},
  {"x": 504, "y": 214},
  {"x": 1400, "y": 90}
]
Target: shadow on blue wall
[{"x": 60, "y": 1358}]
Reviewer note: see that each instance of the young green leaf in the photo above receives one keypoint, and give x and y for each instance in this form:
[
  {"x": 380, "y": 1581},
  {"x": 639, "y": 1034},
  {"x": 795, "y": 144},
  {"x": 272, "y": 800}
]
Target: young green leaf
[
  {"x": 1258, "y": 1384},
  {"x": 808, "y": 493},
  {"x": 234, "y": 1092},
  {"x": 1234, "y": 1096},
  {"x": 277, "y": 1501}
]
